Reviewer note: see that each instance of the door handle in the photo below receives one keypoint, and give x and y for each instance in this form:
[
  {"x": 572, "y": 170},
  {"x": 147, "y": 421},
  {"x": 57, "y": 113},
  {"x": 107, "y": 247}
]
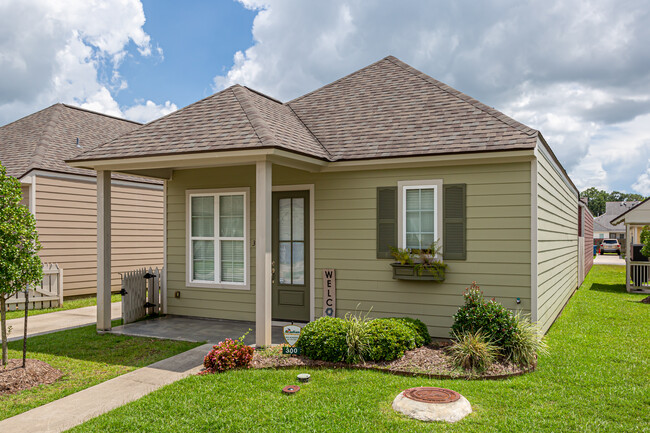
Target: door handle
[{"x": 272, "y": 271}]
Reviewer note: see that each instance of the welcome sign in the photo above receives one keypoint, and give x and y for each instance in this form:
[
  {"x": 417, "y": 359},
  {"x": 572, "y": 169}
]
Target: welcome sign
[{"x": 329, "y": 292}]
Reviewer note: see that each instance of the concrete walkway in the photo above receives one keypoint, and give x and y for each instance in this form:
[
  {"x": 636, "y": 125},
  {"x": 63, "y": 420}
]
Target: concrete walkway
[
  {"x": 195, "y": 329},
  {"x": 58, "y": 321},
  {"x": 609, "y": 259},
  {"x": 77, "y": 408}
]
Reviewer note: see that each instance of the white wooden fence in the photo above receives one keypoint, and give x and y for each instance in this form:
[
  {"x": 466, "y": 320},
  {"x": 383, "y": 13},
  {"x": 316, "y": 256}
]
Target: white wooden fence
[
  {"x": 639, "y": 276},
  {"x": 140, "y": 295},
  {"x": 48, "y": 295}
]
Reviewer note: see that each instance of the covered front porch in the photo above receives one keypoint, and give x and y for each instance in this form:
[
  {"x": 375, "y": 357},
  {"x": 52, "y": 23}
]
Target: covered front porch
[
  {"x": 637, "y": 265},
  {"x": 252, "y": 171}
]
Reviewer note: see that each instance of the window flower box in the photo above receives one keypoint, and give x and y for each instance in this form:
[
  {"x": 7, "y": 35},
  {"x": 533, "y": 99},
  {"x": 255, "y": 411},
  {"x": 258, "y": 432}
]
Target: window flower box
[{"x": 417, "y": 272}]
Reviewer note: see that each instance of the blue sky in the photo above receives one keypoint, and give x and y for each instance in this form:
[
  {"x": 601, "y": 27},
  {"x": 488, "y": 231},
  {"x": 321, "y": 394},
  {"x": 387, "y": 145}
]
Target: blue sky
[
  {"x": 577, "y": 70},
  {"x": 198, "y": 38}
]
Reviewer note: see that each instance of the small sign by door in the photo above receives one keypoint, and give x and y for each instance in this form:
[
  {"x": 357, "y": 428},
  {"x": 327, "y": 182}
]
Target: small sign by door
[
  {"x": 329, "y": 292},
  {"x": 291, "y": 334}
]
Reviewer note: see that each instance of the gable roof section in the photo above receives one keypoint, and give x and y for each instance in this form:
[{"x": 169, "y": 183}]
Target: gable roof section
[
  {"x": 619, "y": 219},
  {"x": 236, "y": 118},
  {"x": 45, "y": 139},
  {"x": 387, "y": 109}
]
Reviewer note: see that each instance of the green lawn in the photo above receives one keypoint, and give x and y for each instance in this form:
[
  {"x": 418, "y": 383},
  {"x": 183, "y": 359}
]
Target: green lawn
[
  {"x": 86, "y": 359},
  {"x": 595, "y": 378},
  {"x": 87, "y": 301}
]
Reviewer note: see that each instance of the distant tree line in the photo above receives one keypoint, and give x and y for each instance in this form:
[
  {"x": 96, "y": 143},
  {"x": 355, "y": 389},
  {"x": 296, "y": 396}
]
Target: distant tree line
[{"x": 598, "y": 198}]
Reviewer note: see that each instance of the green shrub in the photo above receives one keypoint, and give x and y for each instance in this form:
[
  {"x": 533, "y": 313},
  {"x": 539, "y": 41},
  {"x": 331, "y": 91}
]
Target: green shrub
[
  {"x": 423, "y": 337},
  {"x": 495, "y": 322},
  {"x": 388, "y": 339},
  {"x": 472, "y": 351},
  {"x": 324, "y": 339},
  {"x": 357, "y": 339},
  {"x": 528, "y": 342}
]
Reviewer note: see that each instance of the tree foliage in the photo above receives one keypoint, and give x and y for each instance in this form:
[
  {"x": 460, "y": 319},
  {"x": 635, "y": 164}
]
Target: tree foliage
[
  {"x": 20, "y": 265},
  {"x": 598, "y": 198},
  {"x": 645, "y": 240}
]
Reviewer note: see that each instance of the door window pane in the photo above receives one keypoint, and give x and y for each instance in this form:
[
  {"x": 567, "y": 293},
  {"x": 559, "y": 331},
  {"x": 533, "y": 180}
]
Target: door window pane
[
  {"x": 285, "y": 263},
  {"x": 202, "y": 216},
  {"x": 298, "y": 219},
  {"x": 298, "y": 263},
  {"x": 203, "y": 260},
  {"x": 284, "y": 207}
]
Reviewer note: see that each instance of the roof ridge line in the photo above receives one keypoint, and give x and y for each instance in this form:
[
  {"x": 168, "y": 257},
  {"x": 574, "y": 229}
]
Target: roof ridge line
[
  {"x": 39, "y": 149},
  {"x": 329, "y": 154},
  {"x": 74, "y": 107},
  {"x": 336, "y": 81},
  {"x": 465, "y": 98},
  {"x": 263, "y": 132}
]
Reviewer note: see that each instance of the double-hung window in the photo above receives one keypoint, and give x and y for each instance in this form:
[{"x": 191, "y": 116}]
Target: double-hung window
[
  {"x": 218, "y": 238},
  {"x": 419, "y": 215}
]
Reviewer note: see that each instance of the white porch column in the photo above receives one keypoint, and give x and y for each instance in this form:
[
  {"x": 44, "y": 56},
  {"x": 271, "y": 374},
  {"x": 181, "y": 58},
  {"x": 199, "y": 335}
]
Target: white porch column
[
  {"x": 263, "y": 196},
  {"x": 103, "y": 250}
]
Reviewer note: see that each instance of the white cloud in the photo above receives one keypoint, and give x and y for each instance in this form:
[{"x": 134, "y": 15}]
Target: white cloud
[
  {"x": 149, "y": 111},
  {"x": 58, "y": 51},
  {"x": 577, "y": 70}
]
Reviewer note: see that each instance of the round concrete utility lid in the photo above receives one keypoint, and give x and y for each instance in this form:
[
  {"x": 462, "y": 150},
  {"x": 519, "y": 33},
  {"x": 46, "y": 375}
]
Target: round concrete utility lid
[{"x": 432, "y": 404}]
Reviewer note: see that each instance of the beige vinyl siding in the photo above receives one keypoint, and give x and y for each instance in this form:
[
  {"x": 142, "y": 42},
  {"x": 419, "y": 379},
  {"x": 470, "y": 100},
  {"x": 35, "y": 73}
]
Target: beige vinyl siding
[
  {"x": 498, "y": 247},
  {"x": 231, "y": 304},
  {"x": 557, "y": 242},
  {"x": 66, "y": 219},
  {"x": 25, "y": 193}
]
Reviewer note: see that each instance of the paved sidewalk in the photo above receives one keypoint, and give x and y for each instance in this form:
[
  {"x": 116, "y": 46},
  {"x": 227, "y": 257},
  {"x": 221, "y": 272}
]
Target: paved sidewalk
[
  {"x": 58, "y": 321},
  {"x": 77, "y": 408},
  {"x": 609, "y": 259}
]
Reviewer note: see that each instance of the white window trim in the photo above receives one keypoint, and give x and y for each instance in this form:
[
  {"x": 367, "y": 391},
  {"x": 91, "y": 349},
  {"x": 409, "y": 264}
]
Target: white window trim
[
  {"x": 216, "y": 193},
  {"x": 402, "y": 186}
]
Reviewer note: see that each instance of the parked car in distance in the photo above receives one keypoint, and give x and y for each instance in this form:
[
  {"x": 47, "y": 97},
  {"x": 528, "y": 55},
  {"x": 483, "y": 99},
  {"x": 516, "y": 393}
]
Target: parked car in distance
[{"x": 610, "y": 246}]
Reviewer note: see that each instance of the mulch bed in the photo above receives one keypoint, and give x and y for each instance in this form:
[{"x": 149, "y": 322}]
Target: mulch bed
[
  {"x": 430, "y": 361},
  {"x": 14, "y": 377}
]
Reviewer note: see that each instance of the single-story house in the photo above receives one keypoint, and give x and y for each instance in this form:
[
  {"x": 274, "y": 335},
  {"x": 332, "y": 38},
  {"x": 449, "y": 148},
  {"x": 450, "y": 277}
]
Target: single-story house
[
  {"x": 586, "y": 235},
  {"x": 603, "y": 227},
  {"x": 268, "y": 202},
  {"x": 63, "y": 198},
  {"x": 637, "y": 266}
]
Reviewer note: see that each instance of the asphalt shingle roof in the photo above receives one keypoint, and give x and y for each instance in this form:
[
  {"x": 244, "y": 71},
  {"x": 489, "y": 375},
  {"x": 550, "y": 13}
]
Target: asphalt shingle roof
[
  {"x": 387, "y": 109},
  {"x": 46, "y": 139}
]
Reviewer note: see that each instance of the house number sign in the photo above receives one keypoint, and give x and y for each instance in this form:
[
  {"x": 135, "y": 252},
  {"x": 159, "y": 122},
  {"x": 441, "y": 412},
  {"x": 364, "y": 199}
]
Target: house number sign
[
  {"x": 291, "y": 335},
  {"x": 329, "y": 292}
]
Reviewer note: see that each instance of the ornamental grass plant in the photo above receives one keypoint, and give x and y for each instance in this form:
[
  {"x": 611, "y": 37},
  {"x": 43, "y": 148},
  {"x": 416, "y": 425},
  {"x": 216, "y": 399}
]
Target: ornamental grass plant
[{"x": 473, "y": 351}]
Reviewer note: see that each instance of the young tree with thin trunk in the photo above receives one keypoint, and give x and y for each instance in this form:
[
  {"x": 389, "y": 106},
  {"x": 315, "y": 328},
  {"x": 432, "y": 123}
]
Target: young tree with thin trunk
[{"x": 20, "y": 265}]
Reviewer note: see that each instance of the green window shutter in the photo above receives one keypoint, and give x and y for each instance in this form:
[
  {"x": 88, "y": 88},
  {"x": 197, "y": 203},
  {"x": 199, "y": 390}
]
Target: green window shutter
[
  {"x": 454, "y": 222},
  {"x": 386, "y": 221}
]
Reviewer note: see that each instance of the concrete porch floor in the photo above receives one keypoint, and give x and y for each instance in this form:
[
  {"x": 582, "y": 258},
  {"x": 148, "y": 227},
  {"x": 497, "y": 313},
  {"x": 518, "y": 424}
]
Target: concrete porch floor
[{"x": 195, "y": 329}]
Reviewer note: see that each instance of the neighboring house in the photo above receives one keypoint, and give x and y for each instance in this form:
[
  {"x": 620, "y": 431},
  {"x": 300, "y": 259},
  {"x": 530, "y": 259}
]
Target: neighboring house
[
  {"x": 586, "y": 233},
  {"x": 637, "y": 268},
  {"x": 603, "y": 227},
  {"x": 262, "y": 197},
  {"x": 63, "y": 198}
]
